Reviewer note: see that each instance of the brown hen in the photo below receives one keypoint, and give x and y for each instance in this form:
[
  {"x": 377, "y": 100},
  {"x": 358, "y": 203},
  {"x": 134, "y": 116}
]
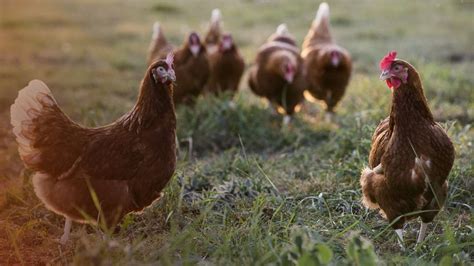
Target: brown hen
[
  {"x": 126, "y": 163},
  {"x": 191, "y": 64},
  {"x": 226, "y": 63},
  {"x": 328, "y": 66},
  {"x": 227, "y": 66},
  {"x": 411, "y": 155},
  {"x": 278, "y": 73}
]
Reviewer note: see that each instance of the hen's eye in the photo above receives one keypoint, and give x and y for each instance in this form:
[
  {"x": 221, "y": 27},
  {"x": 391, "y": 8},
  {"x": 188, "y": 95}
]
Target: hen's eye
[
  {"x": 161, "y": 69},
  {"x": 396, "y": 68}
]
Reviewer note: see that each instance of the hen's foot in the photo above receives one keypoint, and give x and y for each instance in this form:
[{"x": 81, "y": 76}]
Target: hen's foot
[
  {"x": 329, "y": 117},
  {"x": 400, "y": 238},
  {"x": 286, "y": 120},
  {"x": 422, "y": 232},
  {"x": 67, "y": 231}
]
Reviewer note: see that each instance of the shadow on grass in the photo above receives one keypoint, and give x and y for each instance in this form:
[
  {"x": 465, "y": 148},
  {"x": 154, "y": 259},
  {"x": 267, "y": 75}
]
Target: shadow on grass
[{"x": 219, "y": 123}]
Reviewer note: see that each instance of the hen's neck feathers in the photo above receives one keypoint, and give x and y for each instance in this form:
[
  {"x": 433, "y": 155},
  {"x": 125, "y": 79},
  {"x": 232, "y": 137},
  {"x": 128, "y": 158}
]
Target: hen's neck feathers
[
  {"x": 276, "y": 60},
  {"x": 231, "y": 50},
  {"x": 409, "y": 107},
  {"x": 155, "y": 101}
]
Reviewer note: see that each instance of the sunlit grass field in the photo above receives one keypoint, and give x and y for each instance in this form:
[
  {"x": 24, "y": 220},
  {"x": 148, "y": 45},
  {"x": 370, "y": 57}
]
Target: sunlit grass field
[{"x": 251, "y": 192}]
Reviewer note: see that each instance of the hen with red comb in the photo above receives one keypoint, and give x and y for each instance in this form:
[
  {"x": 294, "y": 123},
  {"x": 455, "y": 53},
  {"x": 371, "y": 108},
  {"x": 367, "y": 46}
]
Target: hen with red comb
[{"x": 411, "y": 154}]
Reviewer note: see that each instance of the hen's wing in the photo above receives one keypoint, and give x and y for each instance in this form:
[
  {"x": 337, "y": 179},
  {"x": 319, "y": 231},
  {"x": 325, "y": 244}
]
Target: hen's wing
[
  {"x": 113, "y": 153},
  {"x": 314, "y": 70},
  {"x": 238, "y": 71},
  {"x": 379, "y": 142},
  {"x": 294, "y": 95},
  {"x": 48, "y": 140},
  {"x": 252, "y": 80},
  {"x": 191, "y": 74},
  {"x": 440, "y": 152}
]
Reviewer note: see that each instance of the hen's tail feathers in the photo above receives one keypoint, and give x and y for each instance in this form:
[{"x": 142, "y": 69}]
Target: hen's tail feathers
[
  {"x": 157, "y": 43},
  {"x": 28, "y": 105},
  {"x": 216, "y": 17},
  {"x": 215, "y": 25},
  {"x": 214, "y": 31},
  {"x": 156, "y": 30},
  {"x": 282, "y": 29},
  {"x": 322, "y": 14},
  {"x": 319, "y": 31}
]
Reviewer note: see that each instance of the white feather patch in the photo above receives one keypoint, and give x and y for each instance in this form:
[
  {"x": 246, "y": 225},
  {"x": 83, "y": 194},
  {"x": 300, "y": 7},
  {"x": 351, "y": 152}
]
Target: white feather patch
[
  {"x": 216, "y": 16},
  {"x": 413, "y": 174},
  {"x": 428, "y": 163},
  {"x": 367, "y": 171},
  {"x": 282, "y": 29},
  {"x": 27, "y": 106},
  {"x": 418, "y": 161}
]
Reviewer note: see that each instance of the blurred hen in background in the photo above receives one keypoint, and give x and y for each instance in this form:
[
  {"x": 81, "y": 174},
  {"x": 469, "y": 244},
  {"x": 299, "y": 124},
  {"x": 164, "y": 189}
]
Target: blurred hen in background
[
  {"x": 226, "y": 63},
  {"x": 328, "y": 66},
  {"x": 191, "y": 63},
  {"x": 277, "y": 74}
]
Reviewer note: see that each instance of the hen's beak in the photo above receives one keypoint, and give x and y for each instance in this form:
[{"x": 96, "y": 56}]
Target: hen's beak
[
  {"x": 385, "y": 74},
  {"x": 171, "y": 75}
]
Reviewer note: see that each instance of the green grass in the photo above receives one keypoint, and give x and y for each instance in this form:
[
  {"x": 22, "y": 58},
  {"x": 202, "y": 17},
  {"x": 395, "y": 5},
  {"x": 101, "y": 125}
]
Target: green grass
[{"x": 252, "y": 192}]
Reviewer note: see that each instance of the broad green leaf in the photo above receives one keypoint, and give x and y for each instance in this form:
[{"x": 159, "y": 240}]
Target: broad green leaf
[{"x": 324, "y": 253}]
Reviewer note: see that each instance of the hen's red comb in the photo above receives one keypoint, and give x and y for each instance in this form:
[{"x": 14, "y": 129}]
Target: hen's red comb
[
  {"x": 170, "y": 59},
  {"x": 387, "y": 60}
]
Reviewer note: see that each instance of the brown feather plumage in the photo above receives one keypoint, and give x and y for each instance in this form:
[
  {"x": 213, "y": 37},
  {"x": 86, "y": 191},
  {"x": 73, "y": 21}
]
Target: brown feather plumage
[
  {"x": 401, "y": 187},
  {"x": 226, "y": 63},
  {"x": 192, "y": 74},
  {"x": 227, "y": 67}
]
